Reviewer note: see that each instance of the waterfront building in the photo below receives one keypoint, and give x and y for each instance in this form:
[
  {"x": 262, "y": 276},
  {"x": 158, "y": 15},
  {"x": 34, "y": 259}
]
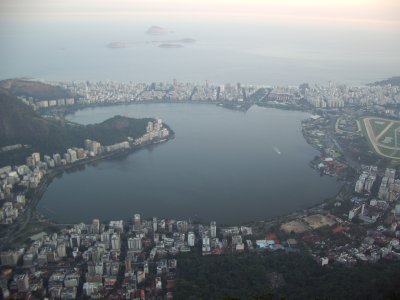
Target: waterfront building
[
  {"x": 73, "y": 155},
  {"x": 57, "y": 159},
  {"x": 67, "y": 158},
  {"x": 149, "y": 127},
  {"x": 36, "y": 158}
]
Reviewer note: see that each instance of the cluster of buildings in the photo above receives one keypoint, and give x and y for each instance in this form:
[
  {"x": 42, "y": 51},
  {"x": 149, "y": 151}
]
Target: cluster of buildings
[
  {"x": 119, "y": 92},
  {"x": 336, "y": 96},
  {"x": 366, "y": 180},
  {"x": 16, "y": 181},
  {"x": 381, "y": 211},
  {"x": 54, "y": 102},
  {"x": 153, "y": 131},
  {"x": 360, "y": 224},
  {"x": 390, "y": 187},
  {"x": 231, "y": 239},
  {"x": 318, "y": 96},
  {"x": 325, "y": 97},
  {"x": 370, "y": 209},
  {"x": 378, "y": 99},
  {"x": 377, "y": 235},
  {"x": 138, "y": 259},
  {"x": 134, "y": 259}
]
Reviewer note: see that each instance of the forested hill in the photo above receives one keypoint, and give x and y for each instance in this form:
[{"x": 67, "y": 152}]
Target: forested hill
[
  {"x": 35, "y": 89},
  {"x": 393, "y": 81},
  {"x": 282, "y": 276},
  {"x": 19, "y": 124}
]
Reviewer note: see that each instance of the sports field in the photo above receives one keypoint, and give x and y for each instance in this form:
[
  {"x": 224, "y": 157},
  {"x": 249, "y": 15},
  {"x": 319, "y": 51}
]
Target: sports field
[{"x": 383, "y": 135}]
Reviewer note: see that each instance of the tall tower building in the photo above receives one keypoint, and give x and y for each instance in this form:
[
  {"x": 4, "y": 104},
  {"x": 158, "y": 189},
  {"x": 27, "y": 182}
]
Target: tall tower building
[
  {"x": 149, "y": 127},
  {"x": 75, "y": 240},
  {"x": 105, "y": 238},
  {"x": 96, "y": 226},
  {"x": 135, "y": 244},
  {"x": 128, "y": 264},
  {"x": 136, "y": 221},
  {"x": 61, "y": 251},
  {"x": 213, "y": 229},
  {"x": 115, "y": 242},
  {"x": 191, "y": 239},
  {"x": 206, "y": 244},
  {"x": 36, "y": 158},
  {"x": 155, "y": 224}
]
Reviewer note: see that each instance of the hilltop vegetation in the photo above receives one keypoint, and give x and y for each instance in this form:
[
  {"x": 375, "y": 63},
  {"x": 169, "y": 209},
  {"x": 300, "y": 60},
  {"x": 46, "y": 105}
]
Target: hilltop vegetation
[
  {"x": 393, "y": 81},
  {"x": 19, "y": 124},
  {"x": 35, "y": 89},
  {"x": 294, "y": 276}
]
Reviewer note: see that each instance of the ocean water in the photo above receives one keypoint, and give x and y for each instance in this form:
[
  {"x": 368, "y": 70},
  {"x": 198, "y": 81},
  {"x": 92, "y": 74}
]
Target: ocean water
[{"x": 269, "y": 52}]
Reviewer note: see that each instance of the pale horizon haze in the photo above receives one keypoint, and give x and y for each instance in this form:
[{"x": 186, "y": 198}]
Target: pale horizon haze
[{"x": 253, "y": 42}]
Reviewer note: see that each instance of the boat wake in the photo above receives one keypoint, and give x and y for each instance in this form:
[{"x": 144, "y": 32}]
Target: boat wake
[{"x": 277, "y": 150}]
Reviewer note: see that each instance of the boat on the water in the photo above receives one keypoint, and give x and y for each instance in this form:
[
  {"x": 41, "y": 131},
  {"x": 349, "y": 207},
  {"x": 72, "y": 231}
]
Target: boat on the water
[{"x": 277, "y": 150}]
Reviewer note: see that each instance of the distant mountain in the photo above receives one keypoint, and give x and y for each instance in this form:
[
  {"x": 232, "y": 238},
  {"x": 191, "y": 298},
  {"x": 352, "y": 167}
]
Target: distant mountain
[
  {"x": 170, "y": 45},
  {"x": 19, "y": 124},
  {"x": 393, "y": 81},
  {"x": 35, "y": 89}
]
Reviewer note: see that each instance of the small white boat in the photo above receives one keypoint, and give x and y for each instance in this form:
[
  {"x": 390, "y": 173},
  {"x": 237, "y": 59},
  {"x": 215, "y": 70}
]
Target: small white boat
[{"x": 277, "y": 150}]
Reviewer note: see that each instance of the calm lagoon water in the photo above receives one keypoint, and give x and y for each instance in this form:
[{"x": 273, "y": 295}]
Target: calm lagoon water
[{"x": 222, "y": 165}]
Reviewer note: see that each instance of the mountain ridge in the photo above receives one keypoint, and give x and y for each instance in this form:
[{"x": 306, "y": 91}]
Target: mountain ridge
[{"x": 20, "y": 124}]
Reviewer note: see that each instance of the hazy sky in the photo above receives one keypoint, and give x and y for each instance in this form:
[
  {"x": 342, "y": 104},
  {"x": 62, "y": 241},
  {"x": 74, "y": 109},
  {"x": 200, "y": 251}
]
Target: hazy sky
[
  {"x": 385, "y": 12},
  {"x": 281, "y": 41}
]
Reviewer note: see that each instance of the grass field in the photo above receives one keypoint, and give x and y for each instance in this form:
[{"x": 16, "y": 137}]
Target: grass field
[
  {"x": 378, "y": 126},
  {"x": 383, "y": 135}
]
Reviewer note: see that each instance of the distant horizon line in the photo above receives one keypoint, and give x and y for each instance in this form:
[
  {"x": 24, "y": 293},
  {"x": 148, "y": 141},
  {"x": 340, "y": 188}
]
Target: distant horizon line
[{"x": 204, "y": 82}]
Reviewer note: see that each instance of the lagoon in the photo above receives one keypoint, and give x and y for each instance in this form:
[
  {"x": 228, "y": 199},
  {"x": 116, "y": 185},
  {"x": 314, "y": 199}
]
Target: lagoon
[{"x": 222, "y": 165}]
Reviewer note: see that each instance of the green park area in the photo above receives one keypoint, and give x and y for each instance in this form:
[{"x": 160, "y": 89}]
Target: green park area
[{"x": 383, "y": 135}]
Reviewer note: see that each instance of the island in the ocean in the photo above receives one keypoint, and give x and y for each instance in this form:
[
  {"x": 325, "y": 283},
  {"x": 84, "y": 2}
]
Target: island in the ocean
[
  {"x": 157, "y": 30},
  {"x": 180, "y": 41},
  {"x": 187, "y": 41},
  {"x": 170, "y": 45},
  {"x": 117, "y": 45}
]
